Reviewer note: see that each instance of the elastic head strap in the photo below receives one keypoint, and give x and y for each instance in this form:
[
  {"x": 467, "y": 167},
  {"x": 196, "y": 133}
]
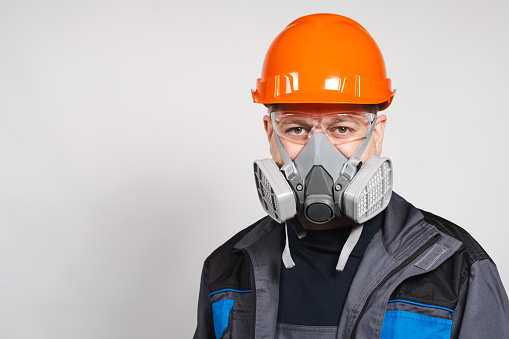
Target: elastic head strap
[
  {"x": 286, "y": 158},
  {"x": 287, "y": 256},
  {"x": 348, "y": 247},
  {"x": 360, "y": 149}
]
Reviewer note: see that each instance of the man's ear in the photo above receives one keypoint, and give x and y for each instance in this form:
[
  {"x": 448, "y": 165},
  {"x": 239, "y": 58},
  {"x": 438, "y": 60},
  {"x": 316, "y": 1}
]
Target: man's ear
[{"x": 378, "y": 133}]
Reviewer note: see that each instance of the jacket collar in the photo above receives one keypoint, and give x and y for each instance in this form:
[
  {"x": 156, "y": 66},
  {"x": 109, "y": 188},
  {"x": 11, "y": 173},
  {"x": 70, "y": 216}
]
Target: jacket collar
[
  {"x": 402, "y": 222},
  {"x": 265, "y": 227}
]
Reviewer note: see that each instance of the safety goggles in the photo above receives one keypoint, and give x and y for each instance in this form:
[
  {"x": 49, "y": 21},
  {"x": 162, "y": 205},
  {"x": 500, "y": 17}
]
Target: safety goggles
[{"x": 339, "y": 127}]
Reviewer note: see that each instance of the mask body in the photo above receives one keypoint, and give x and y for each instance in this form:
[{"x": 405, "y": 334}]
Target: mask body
[{"x": 318, "y": 166}]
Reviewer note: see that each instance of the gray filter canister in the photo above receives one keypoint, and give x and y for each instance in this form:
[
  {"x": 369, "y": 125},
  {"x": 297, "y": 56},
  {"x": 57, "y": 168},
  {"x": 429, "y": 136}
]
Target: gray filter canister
[
  {"x": 370, "y": 191},
  {"x": 275, "y": 194}
]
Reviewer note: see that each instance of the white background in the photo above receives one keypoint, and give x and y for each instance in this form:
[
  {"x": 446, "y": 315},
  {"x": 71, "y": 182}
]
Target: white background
[{"x": 127, "y": 135}]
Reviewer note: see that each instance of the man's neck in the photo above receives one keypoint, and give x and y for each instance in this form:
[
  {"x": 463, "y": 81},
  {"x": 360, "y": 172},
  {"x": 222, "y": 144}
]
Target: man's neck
[{"x": 334, "y": 223}]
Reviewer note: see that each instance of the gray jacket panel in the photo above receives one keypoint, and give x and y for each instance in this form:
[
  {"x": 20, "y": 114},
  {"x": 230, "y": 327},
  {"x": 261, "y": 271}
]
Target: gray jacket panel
[
  {"x": 484, "y": 307},
  {"x": 284, "y": 331},
  {"x": 266, "y": 260}
]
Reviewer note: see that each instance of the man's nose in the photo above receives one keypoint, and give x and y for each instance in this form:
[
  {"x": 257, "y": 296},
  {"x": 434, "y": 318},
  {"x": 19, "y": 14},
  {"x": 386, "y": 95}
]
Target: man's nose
[{"x": 317, "y": 128}]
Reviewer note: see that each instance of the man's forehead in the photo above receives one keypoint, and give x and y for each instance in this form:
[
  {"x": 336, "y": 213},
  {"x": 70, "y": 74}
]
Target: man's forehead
[{"x": 318, "y": 108}]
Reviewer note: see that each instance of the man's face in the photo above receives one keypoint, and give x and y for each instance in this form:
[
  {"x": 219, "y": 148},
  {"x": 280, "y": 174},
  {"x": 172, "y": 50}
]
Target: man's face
[{"x": 293, "y": 149}]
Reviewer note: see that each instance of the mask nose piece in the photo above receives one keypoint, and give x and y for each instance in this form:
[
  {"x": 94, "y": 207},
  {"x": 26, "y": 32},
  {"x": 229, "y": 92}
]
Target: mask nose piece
[{"x": 319, "y": 204}]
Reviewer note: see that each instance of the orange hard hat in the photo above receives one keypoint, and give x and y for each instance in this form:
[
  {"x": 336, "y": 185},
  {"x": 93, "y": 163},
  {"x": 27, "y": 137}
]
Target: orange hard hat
[{"x": 324, "y": 58}]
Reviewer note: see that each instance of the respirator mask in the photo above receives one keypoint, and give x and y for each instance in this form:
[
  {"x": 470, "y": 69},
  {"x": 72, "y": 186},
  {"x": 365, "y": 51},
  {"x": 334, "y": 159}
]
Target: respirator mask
[{"x": 321, "y": 183}]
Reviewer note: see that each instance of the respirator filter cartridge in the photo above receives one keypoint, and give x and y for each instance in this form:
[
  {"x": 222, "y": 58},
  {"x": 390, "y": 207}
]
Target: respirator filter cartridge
[
  {"x": 370, "y": 191},
  {"x": 275, "y": 194}
]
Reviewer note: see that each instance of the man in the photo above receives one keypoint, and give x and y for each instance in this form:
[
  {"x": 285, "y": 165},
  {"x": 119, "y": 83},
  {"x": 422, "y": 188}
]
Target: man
[{"x": 341, "y": 256}]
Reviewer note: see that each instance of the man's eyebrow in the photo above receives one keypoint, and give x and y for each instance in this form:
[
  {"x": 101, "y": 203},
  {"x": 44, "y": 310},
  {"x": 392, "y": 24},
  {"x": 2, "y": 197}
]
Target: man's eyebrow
[
  {"x": 343, "y": 119},
  {"x": 296, "y": 121}
]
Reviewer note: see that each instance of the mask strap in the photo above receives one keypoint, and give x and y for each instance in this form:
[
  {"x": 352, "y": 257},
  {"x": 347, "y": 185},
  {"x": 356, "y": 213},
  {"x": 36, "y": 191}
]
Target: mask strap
[
  {"x": 286, "y": 158},
  {"x": 287, "y": 257},
  {"x": 351, "y": 166},
  {"x": 360, "y": 149},
  {"x": 299, "y": 229},
  {"x": 352, "y": 240},
  {"x": 288, "y": 167}
]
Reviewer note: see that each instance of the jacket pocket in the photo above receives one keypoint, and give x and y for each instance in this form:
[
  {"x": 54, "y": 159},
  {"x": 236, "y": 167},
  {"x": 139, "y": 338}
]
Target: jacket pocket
[
  {"x": 221, "y": 314},
  {"x": 231, "y": 312},
  {"x": 240, "y": 325},
  {"x": 411, "y": 320}
]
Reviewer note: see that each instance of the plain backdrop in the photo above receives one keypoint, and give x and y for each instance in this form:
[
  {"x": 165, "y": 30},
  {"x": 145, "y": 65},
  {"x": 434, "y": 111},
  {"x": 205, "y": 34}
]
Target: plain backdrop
[{"x": 128, "y": 132}]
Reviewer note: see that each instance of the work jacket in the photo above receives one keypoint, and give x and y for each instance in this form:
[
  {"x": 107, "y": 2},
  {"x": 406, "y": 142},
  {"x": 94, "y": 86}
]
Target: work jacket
[{"x": 420, "y": 277}]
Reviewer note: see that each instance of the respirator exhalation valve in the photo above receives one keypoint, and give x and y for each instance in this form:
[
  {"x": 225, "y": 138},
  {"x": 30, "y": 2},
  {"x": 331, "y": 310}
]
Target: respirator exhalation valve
[
  {"x": 319, "y": 208},
  {"x": 318, "y": 202}
]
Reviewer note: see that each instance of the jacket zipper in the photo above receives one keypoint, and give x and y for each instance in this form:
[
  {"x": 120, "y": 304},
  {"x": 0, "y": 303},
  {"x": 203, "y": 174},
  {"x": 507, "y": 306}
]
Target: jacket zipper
[
  {"x": 253, "y": 289},
  {"x": 421, "y": 249}
]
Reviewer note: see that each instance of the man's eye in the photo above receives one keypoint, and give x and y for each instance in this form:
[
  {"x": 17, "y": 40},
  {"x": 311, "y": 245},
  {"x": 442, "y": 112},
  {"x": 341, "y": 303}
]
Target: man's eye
[
  {"x": 297, "y": 130},
  {"x": 342, "y": 129}
]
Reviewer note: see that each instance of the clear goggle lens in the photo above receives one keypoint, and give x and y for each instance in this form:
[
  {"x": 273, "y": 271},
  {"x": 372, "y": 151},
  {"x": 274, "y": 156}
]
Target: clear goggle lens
[{"x": 340, "y": 128}]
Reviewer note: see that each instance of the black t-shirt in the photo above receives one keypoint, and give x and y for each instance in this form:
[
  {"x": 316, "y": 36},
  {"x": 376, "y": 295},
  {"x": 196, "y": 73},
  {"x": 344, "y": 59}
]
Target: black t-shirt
[{"x": 313, "y": 293}]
